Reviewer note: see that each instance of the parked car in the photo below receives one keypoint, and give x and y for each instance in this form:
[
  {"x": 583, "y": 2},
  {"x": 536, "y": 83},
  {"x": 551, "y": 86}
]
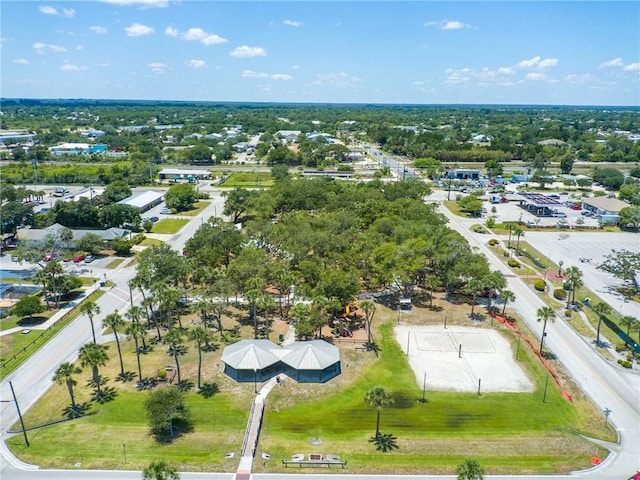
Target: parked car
[
  {"x": 50, "y": 256},
  {"x": 153, "y": 219},
  {"x": 559, "y": 214},
  {"x": 78, "y": 259},
  {"x": 89, "y": 259},
  {"x": 576, "y": 207}
]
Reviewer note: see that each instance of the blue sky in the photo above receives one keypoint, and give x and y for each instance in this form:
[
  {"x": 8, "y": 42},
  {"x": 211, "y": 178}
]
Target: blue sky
[{"x": 508, "y": 52}]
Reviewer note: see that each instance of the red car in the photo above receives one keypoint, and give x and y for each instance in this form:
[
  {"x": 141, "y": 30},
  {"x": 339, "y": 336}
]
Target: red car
[
  {"x": 78, "y": 259},
  {"x": 50, "y": 256},
  {"x": 576, "y": 207}
]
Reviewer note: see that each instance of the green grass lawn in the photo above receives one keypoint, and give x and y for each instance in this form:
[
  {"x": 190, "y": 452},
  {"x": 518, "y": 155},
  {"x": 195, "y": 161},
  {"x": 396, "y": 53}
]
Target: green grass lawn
[
  {"x": 197, "y": 208},
  {"x": 150, "y": 242},
  {"x": 169, "y": 225},
  {"x": 16, "y": 348},
  {"x": 506, "y": 432},
  {"x": 248, "y": 180},
  {"x": 115, "y": 263}
]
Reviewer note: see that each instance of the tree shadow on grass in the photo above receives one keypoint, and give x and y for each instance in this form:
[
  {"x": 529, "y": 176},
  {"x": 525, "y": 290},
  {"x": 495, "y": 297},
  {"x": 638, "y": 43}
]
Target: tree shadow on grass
[
  {"x": 166, "y": 435},
  {"x": 126, "y": 377},
  {"x": 185, "y": 385},
  {"x": 31, "y": 322},
  {"x": 79, "y": 410},
  {"x": 107, "y": 394},
  {"x": 208, "y": 390}
]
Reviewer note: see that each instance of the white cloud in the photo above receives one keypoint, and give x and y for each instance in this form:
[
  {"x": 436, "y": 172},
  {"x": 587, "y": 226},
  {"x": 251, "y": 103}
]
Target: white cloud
[
  {"x": 579, "y": 78},
  {"x": 295, "y": 67},
  {"x": 79, "y": 47},
  {"x": 21, "y": 61},
  {"x": 65, "y": 12},
  {"x": 196, "y": 64},
  {"x": 158, "y": 67},
  {"x": 171, "y": 32},
  {"x": 505, "y": 71},
  {"x": 196, "y": 34},
  {"x": 447, "y": 24},
  {"x": 537, "y": 62},
  {"x": 42, "y": 48},
  {"x": 536, "y": 76},
  {"x": 483, "y": 77},
  {"x": 615, "y": 62},
  {"x": 632, "y": 67},
  {"x": 70, "y": 67},
  {"x": 272, "y": 76},
  {"x": 138, "y": 30},
  {"x": 548, "y": 62},
  {"x": 245, "y": 51},
  {"x": 98, "y": 30},
  {"x": 293, "y": 23},
  {"x": 340, "y": 79},
  {"x": 143, "y": 3}
]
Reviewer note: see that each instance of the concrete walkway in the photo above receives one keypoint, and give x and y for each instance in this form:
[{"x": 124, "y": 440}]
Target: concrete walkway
[{"x": 254, "y": 424}]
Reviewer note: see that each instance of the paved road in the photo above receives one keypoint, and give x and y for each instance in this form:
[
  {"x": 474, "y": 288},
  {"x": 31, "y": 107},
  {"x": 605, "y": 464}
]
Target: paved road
[{"x": 609, "y": 386}]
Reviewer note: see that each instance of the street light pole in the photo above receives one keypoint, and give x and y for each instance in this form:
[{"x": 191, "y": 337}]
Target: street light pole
[{"x": 15, "y": 399}]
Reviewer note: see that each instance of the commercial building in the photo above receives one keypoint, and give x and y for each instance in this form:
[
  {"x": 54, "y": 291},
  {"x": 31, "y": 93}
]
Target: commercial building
[
  {"x": 78, "y": 149},
  {"x": 184, "y": 174},
  {"x": 9, "y": 137},
  {"x": 143, "y": 201},
  {"x": 463, "y": 174},
  {"x": 606, "y": 209},
  {"x": 40, "y": 234}
]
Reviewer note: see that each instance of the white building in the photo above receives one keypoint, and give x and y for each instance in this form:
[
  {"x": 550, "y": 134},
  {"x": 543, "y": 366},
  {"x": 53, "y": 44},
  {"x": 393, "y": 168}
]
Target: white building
[{"x": 144, "y": 201}]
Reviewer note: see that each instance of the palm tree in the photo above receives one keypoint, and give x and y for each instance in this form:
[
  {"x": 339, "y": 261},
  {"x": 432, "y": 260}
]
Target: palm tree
[
  {"x": 574, "y": 275},
  {"x": 493, "y": 282},
  {"x": 378, "y": 398},
  {"x": 201, "y": 336},
  {"x": 94, "y": 356},
  {"x": 64, "y": 374},
  {"x": 474, "y": 287},
  {"x": 518, "y": 232},
  {"x": 384, "y": 442},
  {"x": 253, "y": 290},
  {"x": 160, "y": 470},
  {"x": 174, "y": 339},
  {"x": 90, "y": 308},
  {"x": 636, "y": 328},
  {"x": 507, "y": 296},
  {"x": 601, "y": 309},
  {"x": 136, "y": 330},
  {"x": 135, "y": 314},
  {"x": 510, "y": 226},
  {"x": 369, "y": 309},
  {"x": 628, "y": 321},
  {"x": 114, "y": 321},
  {"x": 470, "y": 470},
  {"x": 544, "y": 315}
]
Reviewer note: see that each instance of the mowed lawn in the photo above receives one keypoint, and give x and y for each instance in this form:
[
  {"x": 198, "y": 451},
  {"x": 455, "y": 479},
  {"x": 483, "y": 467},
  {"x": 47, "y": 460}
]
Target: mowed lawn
[
  {"x": 197, "y": 208},
  {"x": 507, "y": 433},
  {"x": 169, "y": 225}
]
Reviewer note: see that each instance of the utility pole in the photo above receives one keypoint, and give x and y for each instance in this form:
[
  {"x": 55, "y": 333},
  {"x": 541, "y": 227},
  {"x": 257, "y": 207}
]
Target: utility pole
[{"x": 15, "y": 399}]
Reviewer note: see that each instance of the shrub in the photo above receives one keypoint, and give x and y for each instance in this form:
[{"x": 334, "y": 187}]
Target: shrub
[
  {"x": 624, "y": 363},
  {"x": 513, "y": 263},
  {"x": 493, "y": 242},
  {"x": 559, "y": 294},
  {"x": 162, "y": 374},
  {"x": 568, "y": 313},
  {"x": 620, "y": 347},
  {"x": 506, "y": 254},
  {"x": 491, "y": 222},
  {"x": 139, "y": 238},
  {"x": 540, "y": 285}
]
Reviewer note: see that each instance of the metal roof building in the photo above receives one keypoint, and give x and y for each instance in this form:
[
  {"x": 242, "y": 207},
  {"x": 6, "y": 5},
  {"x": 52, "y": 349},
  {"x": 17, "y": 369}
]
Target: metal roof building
[
  {"x": 258, "y": 360},
  {"x": 143, "y": 201}
]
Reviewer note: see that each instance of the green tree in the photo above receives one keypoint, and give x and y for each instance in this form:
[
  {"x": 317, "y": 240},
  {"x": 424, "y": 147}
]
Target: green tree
[
  {"x": 237, "y": 202},
  {"x": 136, "y": 330},
  {"x": 369, "y": 309},
  {"x": 378, "y": 398},
  {"x": 166, "y": 412},
  {"x": 90, "y": 308},
  {"x": 630, "y": 217},
  {"x": 160, "y": 470},
  {"x": 493, "y": 167},
  {"x": 384, "y": 442},
  {"x": 95, "y": 356},
  {"x": 280, "y": 172},
  {"x": 115, "y": 322},
  {"x": 518, "y": 232},
  {"x": 493, "y": 283},
  {"x": 545, "y": 314},
  {"x": 507, "y": 296},
  {"x": 622, "y": 264},
  {"x": 470, "y": 470},
  {"x": 14, "y": 214},
  {"x": 27, "y": 306},
  {"x": 90, "y": 242},
  {"x": 629, "y": 322},
  {"x": 474, "y": 287},
  {"x": 566, "y": 164},
  {"x": 201, "y": 337},
  {"x": 574, "y": 278},
  {"x": 122, "y": 246},
  {"x": 601, "y": 309},
  {"x": 174, "y": 340},
  {"x": 64, "y": 374},
  {"x": 119, "y": 215},
  {"x": 115, "y": 191},
  {"x": 181, "y": 197}
]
